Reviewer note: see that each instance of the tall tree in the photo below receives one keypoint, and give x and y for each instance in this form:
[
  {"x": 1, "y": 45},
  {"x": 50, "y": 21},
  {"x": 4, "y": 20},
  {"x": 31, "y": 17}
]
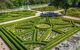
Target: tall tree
[
  {"x": 61, "y": 4},
  {"x": 65, "y": 5},
  {"x": 74, "y": 2},
  {"x": 56, "y": 3}
]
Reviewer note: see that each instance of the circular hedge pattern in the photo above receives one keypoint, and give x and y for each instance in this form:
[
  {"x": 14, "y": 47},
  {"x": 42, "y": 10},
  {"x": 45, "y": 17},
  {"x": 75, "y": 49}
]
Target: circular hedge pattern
[{"x": 43, "y": 26}]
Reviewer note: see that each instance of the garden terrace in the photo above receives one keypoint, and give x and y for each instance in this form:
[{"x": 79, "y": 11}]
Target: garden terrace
[
  {"x": 15, "y": 15},
  {"x": 42, "y": 32}
]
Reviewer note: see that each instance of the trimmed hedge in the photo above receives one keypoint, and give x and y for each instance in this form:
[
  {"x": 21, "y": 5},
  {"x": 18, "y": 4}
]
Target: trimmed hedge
[
  {"x": 13, "y": 39},
  {"x": 23, "y": 27},
  {"x": 45, "y": 35},
  {"x": 58, "y": 27},
  {"x": 67, "y": 19},
  {"x": 11, "y": 46},
  {"x": 37, "y": 42},
  {"x": 34, "y": 35},
  {"x": 59, "y": 39},
  {"x": 58, "y": 31}
]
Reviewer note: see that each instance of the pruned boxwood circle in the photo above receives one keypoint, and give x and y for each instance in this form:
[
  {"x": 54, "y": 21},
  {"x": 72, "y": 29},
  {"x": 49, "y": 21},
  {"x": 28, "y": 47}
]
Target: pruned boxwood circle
[{"x": 43, "y": 26}]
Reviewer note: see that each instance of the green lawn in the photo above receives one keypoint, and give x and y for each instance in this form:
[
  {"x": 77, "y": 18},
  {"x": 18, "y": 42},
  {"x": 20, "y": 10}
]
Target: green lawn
[
  {"x": 48, "y": 8},
  {"x": 15, "y": 15},
  {"x": 29, "y": 34}
]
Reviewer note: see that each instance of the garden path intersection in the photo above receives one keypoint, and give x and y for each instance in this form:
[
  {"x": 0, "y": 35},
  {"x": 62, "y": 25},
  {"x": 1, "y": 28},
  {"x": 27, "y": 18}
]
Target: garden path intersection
[{"x": 37, "y": 14}]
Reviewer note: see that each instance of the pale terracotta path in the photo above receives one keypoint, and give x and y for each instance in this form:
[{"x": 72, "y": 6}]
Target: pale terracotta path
[
  {"x": 74, "y": 18},
  {"x": 3, "y": 45}
]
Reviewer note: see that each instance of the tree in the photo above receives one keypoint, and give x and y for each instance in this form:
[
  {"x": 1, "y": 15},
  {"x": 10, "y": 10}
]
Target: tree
[
  {"x": 56, "y": 3},
  {"x": 62, "y": 4},
  {"x": 74, "y": 2},
  {"x": 65, "y": 5}
]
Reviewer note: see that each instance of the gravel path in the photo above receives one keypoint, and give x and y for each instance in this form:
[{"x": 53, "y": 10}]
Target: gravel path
[
  {"x": 3, "y": 45},
  {"x": 71, "y": 17}
]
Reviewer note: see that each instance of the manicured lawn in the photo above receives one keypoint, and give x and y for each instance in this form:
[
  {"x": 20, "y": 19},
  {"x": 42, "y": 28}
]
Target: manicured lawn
[
  {"x": 48, "y": 8},
  {"x": 74, "y": 12},
  {"x": 39, "y": 32},
  {"x": 15, "y": 15}
]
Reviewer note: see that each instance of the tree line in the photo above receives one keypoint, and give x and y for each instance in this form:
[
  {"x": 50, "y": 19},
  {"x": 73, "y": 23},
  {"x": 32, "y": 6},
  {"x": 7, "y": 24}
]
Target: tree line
[
  {"x": 18, "y": 3},
  {"x": 56, "y": 3}
]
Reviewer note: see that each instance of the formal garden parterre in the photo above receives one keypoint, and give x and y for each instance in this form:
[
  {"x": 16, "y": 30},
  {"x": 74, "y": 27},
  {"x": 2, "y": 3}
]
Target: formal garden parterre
[{"x": 40, "y": 32}]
